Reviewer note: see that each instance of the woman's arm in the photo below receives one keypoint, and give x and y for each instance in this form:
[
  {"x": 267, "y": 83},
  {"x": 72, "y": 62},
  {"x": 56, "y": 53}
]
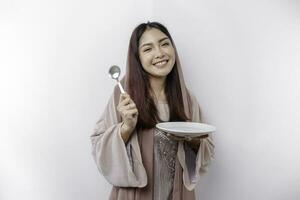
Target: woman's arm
[
  {"x": 110, "y": 153},
  {"x": 197, "y": 154}
]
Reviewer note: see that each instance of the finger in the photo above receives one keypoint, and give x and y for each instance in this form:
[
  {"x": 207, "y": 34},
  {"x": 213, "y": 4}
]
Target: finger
[
  {"x": 180, "y": 138},
  {"x": 130, "y": 113},
  {"x": 123, "y": 96},
  {"x": 122, "y": 106},
  {"x": 175, "y": 137},
  {"x": 131, "y": 101},
  {"x": 124, "y": 102},
  {"x": 201, "y": 137},
  {"x": 133, "y": 111},
  {"x": 188, "y": 138},
  {"x": 130, "y": 106}
]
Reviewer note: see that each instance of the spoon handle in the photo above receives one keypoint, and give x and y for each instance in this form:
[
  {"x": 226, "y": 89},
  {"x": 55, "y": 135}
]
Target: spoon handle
[{"x": 121, "y": 88}]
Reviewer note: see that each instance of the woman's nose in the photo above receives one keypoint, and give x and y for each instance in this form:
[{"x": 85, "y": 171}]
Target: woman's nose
[{"x": 159, "y": 53}]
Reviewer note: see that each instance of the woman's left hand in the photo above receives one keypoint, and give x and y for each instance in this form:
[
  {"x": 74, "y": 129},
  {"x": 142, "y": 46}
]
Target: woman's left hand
[
  {"x": 192, "y": 142},
  {"x": 188, "y": 139}
]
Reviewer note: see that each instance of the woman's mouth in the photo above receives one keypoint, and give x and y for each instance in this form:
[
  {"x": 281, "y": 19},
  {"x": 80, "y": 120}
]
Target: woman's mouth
[{"x": 160, "y": 63}]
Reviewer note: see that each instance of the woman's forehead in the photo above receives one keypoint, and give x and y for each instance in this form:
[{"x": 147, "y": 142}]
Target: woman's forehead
[{"x": 152, "y": 35}]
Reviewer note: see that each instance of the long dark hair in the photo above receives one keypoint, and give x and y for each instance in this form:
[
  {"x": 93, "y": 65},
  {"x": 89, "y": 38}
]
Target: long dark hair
[{"x": 139, "y": 86}]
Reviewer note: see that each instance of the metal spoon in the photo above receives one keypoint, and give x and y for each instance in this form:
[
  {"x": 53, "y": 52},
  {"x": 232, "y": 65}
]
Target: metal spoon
[{"x": 114, "y": 73}]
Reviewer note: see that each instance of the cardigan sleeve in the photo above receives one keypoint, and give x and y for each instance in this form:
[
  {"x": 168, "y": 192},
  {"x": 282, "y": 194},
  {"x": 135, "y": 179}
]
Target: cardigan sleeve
[
  {"x": 119, "y": 163},
  {"x": 195, "y": 164}
]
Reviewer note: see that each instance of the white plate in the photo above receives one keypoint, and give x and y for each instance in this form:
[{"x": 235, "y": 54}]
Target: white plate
[{"x": 192, "y": 129}]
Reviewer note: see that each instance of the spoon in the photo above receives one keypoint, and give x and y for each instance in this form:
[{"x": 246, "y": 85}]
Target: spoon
[{"x": 114, "y": 73}]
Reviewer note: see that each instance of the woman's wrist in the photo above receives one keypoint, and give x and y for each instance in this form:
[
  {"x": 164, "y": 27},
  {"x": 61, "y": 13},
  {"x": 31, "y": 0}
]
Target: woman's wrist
[
  {"x": 125, "y": 132},
  {"x": 195, "y": 142}
]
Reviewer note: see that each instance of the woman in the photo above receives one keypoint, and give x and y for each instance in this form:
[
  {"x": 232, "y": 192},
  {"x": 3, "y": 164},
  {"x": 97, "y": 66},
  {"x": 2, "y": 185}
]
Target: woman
[{"x": 141, "y": 162}]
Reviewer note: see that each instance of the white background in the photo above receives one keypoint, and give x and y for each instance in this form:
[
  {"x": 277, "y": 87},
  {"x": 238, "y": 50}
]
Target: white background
[{"x": 240, "y": 58}]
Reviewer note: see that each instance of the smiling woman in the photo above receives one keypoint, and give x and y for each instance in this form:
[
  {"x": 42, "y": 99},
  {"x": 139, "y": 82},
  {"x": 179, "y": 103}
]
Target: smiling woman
[
  {"x": 157, "y": 53},
  {"x": 141, "y": 162}
]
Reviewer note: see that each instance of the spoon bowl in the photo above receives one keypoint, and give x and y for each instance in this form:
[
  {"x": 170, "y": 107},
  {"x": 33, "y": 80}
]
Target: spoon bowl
[{"x": 114, "y": 73}]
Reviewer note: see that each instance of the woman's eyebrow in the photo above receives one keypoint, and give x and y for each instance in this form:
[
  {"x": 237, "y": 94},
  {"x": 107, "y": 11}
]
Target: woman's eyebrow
[
  {"x": 148, "y": 44},
  {"x": 165, "y": 38}
]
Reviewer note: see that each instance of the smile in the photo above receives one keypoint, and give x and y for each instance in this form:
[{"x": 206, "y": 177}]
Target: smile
[{"x": 161, "y": 63}]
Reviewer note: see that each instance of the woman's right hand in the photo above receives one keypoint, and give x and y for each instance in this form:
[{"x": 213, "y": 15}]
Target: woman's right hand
[{"x": 129, "y": 114}]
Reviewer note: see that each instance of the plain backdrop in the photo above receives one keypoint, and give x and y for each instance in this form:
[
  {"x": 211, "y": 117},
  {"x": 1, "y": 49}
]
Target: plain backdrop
[{"x": 240, "y": 59}]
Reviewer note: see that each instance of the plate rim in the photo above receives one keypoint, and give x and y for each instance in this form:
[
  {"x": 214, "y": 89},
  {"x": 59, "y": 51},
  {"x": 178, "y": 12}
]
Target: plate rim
[{"x": 184, "y": 132}]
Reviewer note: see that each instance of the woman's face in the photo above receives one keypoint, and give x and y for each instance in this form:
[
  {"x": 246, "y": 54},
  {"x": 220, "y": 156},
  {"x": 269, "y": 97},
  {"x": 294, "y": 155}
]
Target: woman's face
[{"x": 156, "y": 53}]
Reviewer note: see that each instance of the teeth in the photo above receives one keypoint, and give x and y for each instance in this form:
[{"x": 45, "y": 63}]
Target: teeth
[{"x": 160, "y": 63}]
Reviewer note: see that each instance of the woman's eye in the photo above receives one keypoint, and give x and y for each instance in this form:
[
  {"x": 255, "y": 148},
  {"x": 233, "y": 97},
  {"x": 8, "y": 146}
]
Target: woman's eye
[
  {"x": 165, "y": 44},
  {"x": 148, "y": 49}
]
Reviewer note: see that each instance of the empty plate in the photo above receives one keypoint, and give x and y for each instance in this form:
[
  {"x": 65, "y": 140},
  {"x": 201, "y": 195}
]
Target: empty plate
[{"x": 182, "y": 129}]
